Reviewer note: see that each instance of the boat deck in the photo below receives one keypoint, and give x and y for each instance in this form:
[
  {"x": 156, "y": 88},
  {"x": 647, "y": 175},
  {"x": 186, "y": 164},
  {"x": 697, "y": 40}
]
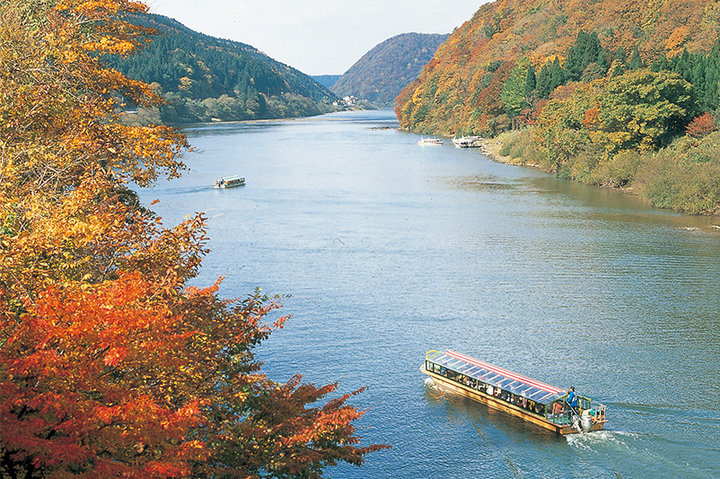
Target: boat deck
[{"x": 529, "y": 399}]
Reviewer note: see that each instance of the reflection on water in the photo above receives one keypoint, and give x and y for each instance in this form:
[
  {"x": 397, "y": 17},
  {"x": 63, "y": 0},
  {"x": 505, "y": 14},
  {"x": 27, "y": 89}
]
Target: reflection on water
[{"x": 389, "y": 250}]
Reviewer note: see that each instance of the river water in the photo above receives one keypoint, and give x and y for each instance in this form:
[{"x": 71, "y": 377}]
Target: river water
[{"x": 389, "y": 249}]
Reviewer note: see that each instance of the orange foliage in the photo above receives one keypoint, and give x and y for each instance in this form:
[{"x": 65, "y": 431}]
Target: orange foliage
[
  {"x": 79, "y": 391},
  {"x": 506, "y": 30},
  {"x": 592, "y": 116},
  {"x": 702, "y": 126},
  {"x": 109, "y": 365}
]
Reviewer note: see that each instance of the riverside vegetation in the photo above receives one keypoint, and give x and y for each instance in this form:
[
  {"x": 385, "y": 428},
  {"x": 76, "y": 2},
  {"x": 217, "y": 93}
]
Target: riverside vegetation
[
  {"x": 110, "y": 365},
  {"x": 558, "y": 79}
]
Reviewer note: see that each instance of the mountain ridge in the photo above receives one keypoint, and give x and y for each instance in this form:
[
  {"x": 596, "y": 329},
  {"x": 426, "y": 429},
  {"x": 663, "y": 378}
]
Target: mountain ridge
[
  {"x": 381, "y": 73},
  {"x": 192, "y": 69}
]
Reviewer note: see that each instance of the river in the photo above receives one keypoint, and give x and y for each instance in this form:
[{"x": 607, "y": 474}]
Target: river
[{"x": 389, "y": 249}]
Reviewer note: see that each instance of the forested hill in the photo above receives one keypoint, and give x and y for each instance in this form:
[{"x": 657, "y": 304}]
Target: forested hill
[
  {"x": 193, "y": 69},
  {"x": 326, "y": 80},
  {"x": 381, "y": 73},
  {"x": 460, "y": 89},
  {"x": 616, "y": 93}
]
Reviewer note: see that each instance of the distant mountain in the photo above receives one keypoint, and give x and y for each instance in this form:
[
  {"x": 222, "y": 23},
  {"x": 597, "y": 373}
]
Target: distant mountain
[
  {"x": 381, "y": 73},
  {"x": 326, "y": 80},
  {"x": 207, "y": 78}
]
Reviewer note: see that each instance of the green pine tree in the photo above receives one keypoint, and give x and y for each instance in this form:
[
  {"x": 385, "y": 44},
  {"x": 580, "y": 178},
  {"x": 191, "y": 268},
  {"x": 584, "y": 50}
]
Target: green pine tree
[{"x": 636, "y": 62}]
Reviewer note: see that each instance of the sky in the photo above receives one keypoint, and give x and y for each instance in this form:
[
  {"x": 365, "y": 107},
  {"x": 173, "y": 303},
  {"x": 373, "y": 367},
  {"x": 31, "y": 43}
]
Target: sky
[{"x": 318, "y": 37}]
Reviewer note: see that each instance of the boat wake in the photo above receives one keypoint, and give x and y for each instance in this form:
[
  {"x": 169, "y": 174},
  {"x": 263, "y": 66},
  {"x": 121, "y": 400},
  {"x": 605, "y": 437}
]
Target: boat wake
[
  {"x": 590, "y": 440},
  {"x": 435, "y": 389}
]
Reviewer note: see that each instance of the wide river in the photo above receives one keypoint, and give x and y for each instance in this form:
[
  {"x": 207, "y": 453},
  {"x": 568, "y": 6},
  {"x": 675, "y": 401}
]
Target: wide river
[{"x": 389, "y": 249}]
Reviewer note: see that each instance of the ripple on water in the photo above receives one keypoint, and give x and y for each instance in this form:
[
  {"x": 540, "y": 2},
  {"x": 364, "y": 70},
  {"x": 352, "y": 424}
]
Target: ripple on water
[{"x": 389, "y": 250}]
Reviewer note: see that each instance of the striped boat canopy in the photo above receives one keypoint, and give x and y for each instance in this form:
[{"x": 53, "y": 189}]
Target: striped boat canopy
[{"x": 501, "y": 378}]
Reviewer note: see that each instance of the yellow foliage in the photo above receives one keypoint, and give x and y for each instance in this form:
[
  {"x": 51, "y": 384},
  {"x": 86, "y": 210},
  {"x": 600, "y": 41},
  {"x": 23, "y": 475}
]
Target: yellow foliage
[{"x": 676, "y": 40}]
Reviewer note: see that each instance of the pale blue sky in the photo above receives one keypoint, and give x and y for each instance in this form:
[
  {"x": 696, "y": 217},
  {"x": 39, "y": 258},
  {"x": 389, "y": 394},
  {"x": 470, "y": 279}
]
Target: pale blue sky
[{"x": 316, "y": 36}]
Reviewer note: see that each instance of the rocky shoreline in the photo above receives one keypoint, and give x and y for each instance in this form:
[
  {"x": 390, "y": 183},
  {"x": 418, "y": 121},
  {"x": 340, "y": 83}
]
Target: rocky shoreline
[{"x": 491, "y": 148}]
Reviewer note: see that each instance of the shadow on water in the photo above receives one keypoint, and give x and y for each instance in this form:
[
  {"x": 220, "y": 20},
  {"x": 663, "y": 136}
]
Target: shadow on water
[
  {"x": 615, "y": 205},
  {"x": 573, "y": 198},
  {"x": 483, "y": 183},
  {"x": 232, "y": 127},
  {"x": 486, "y": 421}
]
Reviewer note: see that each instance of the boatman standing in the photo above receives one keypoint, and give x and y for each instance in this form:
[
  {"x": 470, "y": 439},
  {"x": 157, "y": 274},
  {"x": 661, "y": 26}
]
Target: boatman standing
[{"x": 572, "y": 398}]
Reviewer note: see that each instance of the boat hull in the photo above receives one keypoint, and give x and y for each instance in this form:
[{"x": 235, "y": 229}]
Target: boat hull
[
  {"x": 233, "y": 183},
  {"x": 506, "y": 407},
  {"x": 467, "y": 142}
]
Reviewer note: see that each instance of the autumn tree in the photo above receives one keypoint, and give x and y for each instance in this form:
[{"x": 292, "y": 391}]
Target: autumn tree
[
  {"x": 644, "y": 110},
  {"x": 701, "y": 126},
  {"x": 110, "y": 365},
  {"x": 639, "y": 110}
]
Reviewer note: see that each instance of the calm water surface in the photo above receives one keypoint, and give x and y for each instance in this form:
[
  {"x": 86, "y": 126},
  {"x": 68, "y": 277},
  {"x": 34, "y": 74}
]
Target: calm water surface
[{"x": 389, "y": 249}]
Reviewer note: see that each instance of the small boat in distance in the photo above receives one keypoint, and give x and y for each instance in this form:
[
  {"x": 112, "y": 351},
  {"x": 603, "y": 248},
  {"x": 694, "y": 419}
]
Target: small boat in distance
[
  {"x": 528, "y": 399},
  {"x": 430, "y": 141},
  {"x": 468, "y": 142},
  {"x": 230, "y": 182}
]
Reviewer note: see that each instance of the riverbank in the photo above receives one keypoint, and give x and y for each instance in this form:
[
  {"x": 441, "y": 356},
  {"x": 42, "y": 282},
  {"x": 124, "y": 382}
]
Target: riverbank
[
  {"x": 491, "y": 148},
  {"x": 681, "y": 177}
]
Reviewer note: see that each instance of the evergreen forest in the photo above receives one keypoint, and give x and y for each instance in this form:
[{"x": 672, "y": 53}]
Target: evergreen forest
[{"x": 203, "y": 78}]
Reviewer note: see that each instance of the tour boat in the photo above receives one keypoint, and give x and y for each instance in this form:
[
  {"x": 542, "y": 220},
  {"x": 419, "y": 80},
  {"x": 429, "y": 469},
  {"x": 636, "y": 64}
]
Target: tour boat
[
  {"x": 430, "y": 141},
  {"x": 467, "y": 141},
  {"x": 531, "y": 400},
  {"x": 230, "y": 182}
]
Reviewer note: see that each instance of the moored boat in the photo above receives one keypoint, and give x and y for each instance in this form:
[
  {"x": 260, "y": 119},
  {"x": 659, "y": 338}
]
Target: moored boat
[
  {"x": 430, "y": 141},
  {"x": 468, "y": 141},
  {"x": 230, "y": 182},
  {"x": 536, "y": 402}
]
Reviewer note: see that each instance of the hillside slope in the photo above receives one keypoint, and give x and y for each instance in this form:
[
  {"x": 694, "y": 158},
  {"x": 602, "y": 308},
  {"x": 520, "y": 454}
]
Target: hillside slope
[
  {"x": 381, "y": 73},
  {"x": 326, "y": 80},
  {"x": 460, "y": 88},
  {"x": 191, "y": 68}
]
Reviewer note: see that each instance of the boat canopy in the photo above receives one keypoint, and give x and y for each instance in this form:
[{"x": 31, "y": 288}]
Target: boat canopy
[
  {"x": 229, "y": 179},
  {"x": 501, "y": 378}
]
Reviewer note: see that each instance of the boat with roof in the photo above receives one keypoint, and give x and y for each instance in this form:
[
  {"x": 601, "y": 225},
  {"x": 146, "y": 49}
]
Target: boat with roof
[
  {"x": 230, "y": 182},
  {"x": 536, "y": 402},
  {"x": 468, "y": 142},
  {"x": 430, "y": 141}
]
